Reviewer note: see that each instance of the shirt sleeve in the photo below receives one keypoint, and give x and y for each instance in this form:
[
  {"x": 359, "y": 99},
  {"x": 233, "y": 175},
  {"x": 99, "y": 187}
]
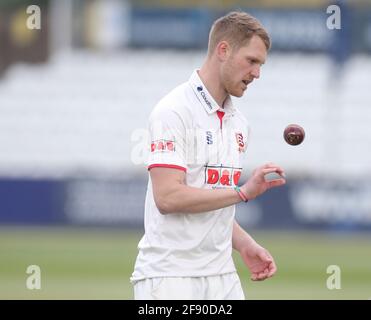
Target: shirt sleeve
[{"x": 167, "y": 140}]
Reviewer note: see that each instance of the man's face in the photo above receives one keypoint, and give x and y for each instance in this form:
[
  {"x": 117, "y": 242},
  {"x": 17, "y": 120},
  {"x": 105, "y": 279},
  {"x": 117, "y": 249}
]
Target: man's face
[{"x": 243, "y": 66}]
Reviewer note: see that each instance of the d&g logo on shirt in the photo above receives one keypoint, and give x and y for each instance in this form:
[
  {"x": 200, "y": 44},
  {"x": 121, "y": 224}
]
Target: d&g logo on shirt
[
  {"x": 219, "y": 176},
  {"x": 163, "y": 145}
]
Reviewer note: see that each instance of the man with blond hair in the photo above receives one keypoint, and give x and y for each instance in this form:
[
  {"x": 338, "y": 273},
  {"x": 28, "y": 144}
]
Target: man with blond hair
[{"x": 198, "y": 139}]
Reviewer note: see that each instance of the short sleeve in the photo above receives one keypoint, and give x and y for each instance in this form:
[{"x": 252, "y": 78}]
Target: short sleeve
[{"x": 167, "y": 140}]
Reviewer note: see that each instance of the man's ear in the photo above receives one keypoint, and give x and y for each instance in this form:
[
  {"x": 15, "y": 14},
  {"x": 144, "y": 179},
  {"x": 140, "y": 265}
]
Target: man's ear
[{"x": 223, "y": 50}]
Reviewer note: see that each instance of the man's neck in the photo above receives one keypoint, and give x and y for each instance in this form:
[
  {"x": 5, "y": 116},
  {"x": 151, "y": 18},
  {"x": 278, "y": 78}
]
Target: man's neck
[{"x": 210, "y": 79}]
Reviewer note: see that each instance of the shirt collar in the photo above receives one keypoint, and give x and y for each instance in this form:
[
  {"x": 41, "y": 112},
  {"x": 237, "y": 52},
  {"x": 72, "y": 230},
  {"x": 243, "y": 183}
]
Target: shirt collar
[{"x": 205, "y": 97}]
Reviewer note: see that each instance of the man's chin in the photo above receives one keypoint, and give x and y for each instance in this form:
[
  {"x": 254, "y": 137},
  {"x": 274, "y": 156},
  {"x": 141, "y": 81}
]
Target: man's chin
[{"x": 237, "y": 94}]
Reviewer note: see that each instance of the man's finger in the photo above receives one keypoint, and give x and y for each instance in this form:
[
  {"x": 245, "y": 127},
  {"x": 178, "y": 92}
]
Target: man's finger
[
  {"x": 269, "y": 170},
  {"x": 276, "y": 183},
  {"x": 258, "y": 276},
  {"x": 272, "y": 269},
  {"x": 276, "y": 168},
  {"x": 264, "y": 256},
  {"x": 269, "y": 165},
  {"x": 262, "y": 276}
]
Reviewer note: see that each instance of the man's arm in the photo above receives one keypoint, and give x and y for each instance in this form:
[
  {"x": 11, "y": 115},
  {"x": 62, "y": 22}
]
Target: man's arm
[
  {"x": 240, "y": 238},
  {"x": 259, "y": 261},
  {"x": 172, "y": 195}
]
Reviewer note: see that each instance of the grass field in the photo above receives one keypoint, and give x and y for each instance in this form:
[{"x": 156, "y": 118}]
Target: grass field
[{"x": 79, "y": 263}]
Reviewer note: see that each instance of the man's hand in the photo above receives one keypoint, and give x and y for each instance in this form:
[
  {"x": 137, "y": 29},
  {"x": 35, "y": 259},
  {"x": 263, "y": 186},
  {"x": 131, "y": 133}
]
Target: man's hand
[
  {"x": 259, "y": 261},
  {"x": 257, "y": 184}
]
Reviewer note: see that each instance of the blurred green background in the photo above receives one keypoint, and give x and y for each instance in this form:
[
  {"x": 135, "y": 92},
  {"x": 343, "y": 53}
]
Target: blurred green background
[{"x": 82, "y": 263}]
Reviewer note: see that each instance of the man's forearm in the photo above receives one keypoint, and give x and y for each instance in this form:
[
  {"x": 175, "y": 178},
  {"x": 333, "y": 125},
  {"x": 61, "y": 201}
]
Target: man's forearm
[
  {"x": 240, "y": 238},
  {"x": 173, "y": 195},
  {"x": 185, "y": 199}
]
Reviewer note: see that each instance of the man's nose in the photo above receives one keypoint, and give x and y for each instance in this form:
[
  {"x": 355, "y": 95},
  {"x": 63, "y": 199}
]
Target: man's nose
[{"x": 256, "y": 72}]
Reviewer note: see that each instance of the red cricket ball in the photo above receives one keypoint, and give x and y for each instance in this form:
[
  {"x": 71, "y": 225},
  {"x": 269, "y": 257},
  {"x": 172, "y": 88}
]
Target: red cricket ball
[{"x": 294, "y": 134}]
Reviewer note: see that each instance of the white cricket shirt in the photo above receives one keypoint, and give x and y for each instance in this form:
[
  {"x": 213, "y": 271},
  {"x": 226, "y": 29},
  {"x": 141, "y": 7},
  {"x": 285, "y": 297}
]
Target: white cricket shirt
[{"x": 190, "y": 132}]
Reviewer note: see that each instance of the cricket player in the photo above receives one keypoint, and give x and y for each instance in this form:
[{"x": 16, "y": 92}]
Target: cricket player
[{"x": 198, "y": 139}]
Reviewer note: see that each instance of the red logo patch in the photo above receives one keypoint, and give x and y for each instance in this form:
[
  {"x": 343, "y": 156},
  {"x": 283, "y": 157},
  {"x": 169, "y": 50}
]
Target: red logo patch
[
  {"x": 222, "y": 176},
  {"x": 162, "y": 145}
]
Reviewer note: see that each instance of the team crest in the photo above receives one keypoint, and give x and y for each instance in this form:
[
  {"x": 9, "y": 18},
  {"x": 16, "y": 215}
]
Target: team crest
[{"x": 241, "y": 144}]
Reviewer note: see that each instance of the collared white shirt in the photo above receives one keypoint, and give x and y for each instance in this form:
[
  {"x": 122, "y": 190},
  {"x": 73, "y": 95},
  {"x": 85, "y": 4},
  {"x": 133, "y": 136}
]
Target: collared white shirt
[{"x": 190, "y": 132}]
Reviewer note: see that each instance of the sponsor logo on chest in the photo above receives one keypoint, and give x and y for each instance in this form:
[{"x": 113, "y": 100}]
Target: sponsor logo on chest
[
  {"x": 204, "y": 97},
  {"x": 222, "y": 176}
]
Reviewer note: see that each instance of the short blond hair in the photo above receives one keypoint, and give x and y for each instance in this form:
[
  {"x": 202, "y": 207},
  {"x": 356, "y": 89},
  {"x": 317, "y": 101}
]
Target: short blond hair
[{"x": 237, "y": 28}]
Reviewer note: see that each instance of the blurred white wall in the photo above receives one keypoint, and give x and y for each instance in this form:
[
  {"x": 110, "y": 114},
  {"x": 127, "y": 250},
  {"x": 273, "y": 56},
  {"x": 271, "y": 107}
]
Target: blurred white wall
[{"x": 86, "y": 113}]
